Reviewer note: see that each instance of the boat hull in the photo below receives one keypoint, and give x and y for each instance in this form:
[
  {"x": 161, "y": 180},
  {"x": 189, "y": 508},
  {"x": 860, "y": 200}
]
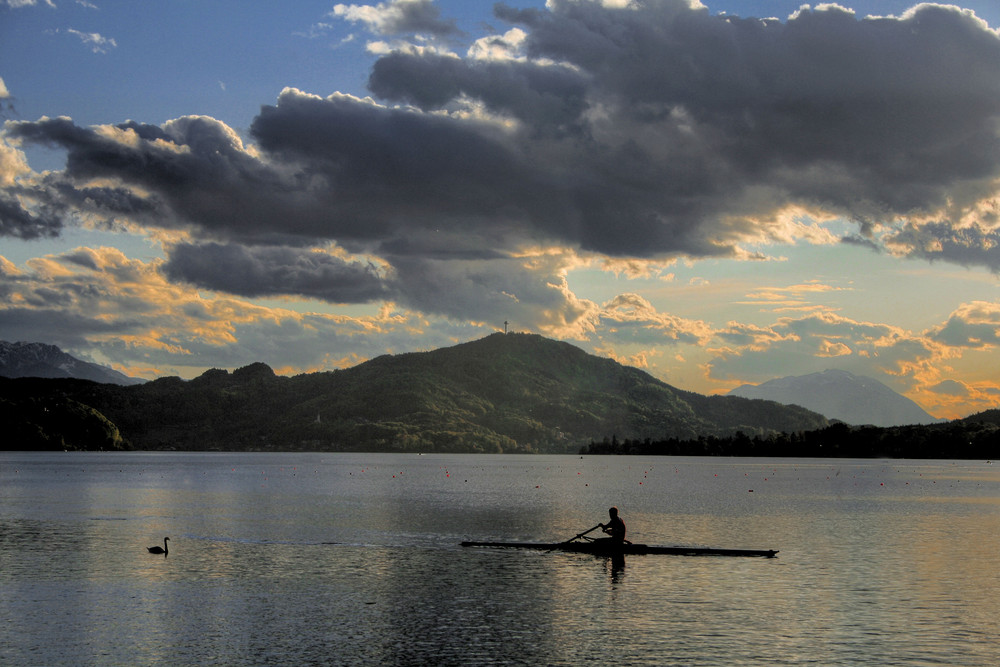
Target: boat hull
[{"x": 602, "y": 549}]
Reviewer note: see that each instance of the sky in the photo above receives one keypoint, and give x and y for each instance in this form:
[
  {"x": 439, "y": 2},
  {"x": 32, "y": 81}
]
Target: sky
[{"x": 718, "y": 192}]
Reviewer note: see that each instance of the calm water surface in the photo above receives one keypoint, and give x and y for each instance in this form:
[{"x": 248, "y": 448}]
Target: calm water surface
[{"x": 299, "y": 559}]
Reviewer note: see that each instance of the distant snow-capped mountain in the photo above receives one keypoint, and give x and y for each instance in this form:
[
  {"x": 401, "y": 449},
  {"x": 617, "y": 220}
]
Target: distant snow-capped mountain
[
  {"x": 841, "y": 395},
  {"x": 48, "y": 361}
]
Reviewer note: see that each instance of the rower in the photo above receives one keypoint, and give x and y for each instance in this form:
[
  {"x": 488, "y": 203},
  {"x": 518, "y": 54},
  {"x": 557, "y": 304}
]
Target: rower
[{"x": 615, "y": 527}]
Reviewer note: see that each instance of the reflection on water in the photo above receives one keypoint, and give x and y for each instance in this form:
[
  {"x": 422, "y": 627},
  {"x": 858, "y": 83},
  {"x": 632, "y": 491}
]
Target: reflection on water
[{"x": 348, "y": 559}]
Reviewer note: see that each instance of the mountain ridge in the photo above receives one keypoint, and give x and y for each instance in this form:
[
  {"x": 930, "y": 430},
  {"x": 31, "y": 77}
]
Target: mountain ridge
[
  {"x": 501, "y": 393},
  {"x": 23, "y": 359},
  {"x": 843, "y": 396}
]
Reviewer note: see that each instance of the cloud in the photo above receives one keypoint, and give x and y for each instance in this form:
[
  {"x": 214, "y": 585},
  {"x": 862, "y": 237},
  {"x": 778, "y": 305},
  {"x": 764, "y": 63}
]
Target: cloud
[
  {"x": 819, "y": 341},
  {"x": 653, "y": 130},
  {"x": 274, "y": 271},
  {"x": 791, "y": 297},
  {"x": 6, "y": 100},
  {"x": 955, "y": 399},
  {"x": 973, "y": 325},
  {"x": 634, "y": 269},
  {"x": 917, "y": 364},
  {"x": 630, "y": 318},
  {"x": 531, "y": 291},
  {"x": 125, "y": 309},
  {"x": 509, "y": 46},
  {"x": 97, "y": 42},
  {"x": 18, "y": 222},
  {"x": 974, "y": 244},
  {"x": 631, "y": 131},
  {"x": 17, "y": 4},
  {"x": 38, "y": 206},
  {"x": 385, "y": 174},
  {"x": 398, "y": 17},
  {"x": 950, "y": 388},
  {"x": 18, "y": 218},
  {"x": 191, "y": 173},
  {"x": 13, "y": 163}
]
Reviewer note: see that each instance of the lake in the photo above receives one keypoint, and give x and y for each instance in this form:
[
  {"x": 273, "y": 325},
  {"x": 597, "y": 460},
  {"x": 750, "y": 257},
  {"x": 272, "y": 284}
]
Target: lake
[{"x": 347, "y": 559}]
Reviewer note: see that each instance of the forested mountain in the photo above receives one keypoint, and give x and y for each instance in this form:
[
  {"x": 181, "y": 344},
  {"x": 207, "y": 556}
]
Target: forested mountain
[
  {"x": 969, "y": 438},
  {"x": 502, "y": 393}
]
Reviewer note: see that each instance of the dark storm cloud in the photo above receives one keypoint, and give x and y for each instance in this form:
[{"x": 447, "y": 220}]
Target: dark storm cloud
[
  {"x": 197, "y": 172},
  {"x": 968, "y": 246},
  {"x": 42, "y": 209},
  {"x": 519, "y": 289},
  {"x": 273, "y": 271},
  {"x": 18, "y": 222},
  {"x": 686, "y": 130},
  {"x": 867, "y": 118},
  {"x": 655, "y": 130},
  {"x": 550, "y": 98},
  {"x": 389, "y": 172},
  {"x": 463, "y": 288}
]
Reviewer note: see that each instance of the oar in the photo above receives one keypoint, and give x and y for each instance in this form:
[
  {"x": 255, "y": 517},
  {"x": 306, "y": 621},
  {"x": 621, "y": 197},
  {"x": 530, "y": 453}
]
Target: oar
[{"x": 582, "y": 534}]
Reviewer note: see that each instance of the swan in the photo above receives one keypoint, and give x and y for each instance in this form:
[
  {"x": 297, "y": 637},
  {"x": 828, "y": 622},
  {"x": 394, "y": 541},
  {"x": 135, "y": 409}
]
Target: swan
[{"x": 158, "y": 550}]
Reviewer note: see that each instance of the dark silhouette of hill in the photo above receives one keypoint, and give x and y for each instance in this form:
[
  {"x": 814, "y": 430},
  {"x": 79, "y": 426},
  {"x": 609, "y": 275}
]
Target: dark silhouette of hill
[
  {"x": 985, "y": 417},
  {"x": 39, "y": 414},
  {"x": 975, "y": 437},
  {"x": 502, "y": 393}
]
